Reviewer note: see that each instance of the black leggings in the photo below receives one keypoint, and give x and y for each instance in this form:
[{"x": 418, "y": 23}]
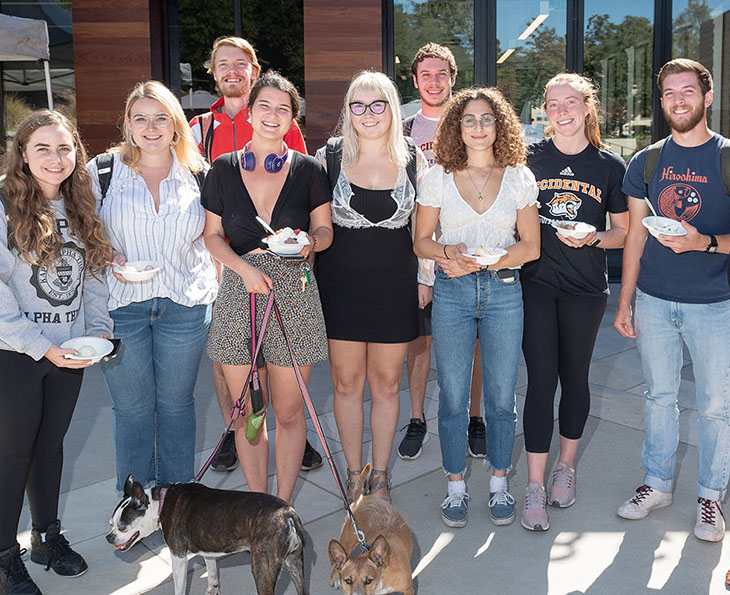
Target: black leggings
[
  {"x": 560, "y": 332},
  {"x": 37, "y": 400}
]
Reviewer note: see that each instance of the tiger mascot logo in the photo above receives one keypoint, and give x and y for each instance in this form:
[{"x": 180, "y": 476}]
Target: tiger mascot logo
[{"x": 564, "y": 204}]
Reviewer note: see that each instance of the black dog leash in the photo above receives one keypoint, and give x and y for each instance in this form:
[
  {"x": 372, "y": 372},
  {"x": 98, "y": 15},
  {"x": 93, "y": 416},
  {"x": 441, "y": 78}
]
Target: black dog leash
[{"x": 362, "y": 545}]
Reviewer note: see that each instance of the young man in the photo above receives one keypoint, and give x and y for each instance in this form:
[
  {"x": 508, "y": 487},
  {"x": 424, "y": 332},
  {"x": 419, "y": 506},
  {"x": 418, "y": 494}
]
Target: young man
[
  {"x": 226, "y": 128},
  {"x": 434, "y": 74},
  {"x": 682, "y": 296}
]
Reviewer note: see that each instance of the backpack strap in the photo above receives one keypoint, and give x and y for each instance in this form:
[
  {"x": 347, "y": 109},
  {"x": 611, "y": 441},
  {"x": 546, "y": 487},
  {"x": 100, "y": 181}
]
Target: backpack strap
[
  {"x": 104, "y": 167},
  {"x": 412, "y": 167},
  {"x": 200, "y": 178},
  {"x": 652, "y": 158},
  {"x": 205, "y": 121},
  {"x": 4, "y": 202},
  {"x": 725, "y": 164},
  {"x": 408, "y": 125},
  {"x": 333, "y": 153}
]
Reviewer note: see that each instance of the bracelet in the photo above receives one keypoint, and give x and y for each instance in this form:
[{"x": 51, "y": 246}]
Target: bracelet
[
  {"x": 445, "y": 254},
  {"x": 314, "y": 243}
]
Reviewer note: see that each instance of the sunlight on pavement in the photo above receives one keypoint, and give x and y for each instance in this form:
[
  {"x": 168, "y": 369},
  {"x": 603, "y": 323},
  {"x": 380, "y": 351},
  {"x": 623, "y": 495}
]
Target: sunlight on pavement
[
  {"x": 485, "y": 547},
  {"x": 578, "y": 559},
  {"x": 666, "y": 558},
  {"x": 152, "y": 572},
  {"x": 441, "y": 542}
]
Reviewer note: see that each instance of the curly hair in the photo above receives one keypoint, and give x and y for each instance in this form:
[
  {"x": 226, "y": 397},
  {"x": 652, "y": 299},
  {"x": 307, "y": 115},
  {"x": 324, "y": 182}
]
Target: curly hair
[
  {"x": 434, "y": 50},
  {"x": 449, "y": 148},
  {"x": 584, "y": 86},
  {"x": 30, "y": 213}
]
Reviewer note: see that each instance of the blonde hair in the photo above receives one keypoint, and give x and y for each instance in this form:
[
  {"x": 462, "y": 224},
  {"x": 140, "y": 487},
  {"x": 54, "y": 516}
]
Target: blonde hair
[
  {"x": 584, "y": 86},
  {"x": 382, "y": 87},
  {"x": 234, "y": 42},
  {"x": 186, "y": 150},
  {"x": 30, "y": 213}
]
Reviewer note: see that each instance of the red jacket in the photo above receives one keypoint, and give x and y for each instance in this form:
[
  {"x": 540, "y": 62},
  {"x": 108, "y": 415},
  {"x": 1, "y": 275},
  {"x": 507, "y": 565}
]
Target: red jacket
[{"x": 226, "y": 135}]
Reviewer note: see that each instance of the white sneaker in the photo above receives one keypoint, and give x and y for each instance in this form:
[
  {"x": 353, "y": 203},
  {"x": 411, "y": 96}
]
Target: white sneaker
[
  {"x": 710, "y": 520},
  {"x": 646, "y": 500}
]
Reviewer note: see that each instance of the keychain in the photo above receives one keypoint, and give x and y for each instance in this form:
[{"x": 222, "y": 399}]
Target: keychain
[{"x": 304, "y": 279}]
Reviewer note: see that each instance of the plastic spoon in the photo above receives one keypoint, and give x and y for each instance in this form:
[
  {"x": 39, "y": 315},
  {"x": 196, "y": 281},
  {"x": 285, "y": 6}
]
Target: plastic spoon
[
  {"x": 265, "y": 225},
  {"x": 651, "y": 208}
]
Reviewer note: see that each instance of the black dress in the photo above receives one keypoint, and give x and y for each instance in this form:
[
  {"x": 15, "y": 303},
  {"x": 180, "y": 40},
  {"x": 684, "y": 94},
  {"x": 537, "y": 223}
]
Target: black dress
[{"x": 368, "y": 277}]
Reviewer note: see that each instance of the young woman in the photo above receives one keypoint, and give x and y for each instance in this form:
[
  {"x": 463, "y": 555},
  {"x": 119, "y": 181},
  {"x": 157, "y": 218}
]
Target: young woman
[
  {"x": 285, "y": 189},
  {"x": 152, "y": 212},
  {"x": 52, "y": 253},
  {"x": 565, "y": 291},
  {"x": 369, "y": 275},
  {"x": 482, "y": 194}
]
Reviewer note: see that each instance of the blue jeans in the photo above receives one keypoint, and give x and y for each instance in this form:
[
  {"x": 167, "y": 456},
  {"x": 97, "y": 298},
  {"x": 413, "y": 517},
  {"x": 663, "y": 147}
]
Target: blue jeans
[
  {"x": 662, "y": 326},
  {"x": 463, "y": 306},
  {"x": 151, "y": 384}
]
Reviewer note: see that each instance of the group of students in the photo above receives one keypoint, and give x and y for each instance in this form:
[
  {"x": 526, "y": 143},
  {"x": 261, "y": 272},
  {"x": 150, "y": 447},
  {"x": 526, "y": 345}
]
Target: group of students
[{"x": 390, "y": 223}]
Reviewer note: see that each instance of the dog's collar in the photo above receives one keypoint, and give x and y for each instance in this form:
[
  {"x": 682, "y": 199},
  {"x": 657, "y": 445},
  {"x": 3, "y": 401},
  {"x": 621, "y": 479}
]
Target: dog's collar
[{"x": 359, "y": 549}]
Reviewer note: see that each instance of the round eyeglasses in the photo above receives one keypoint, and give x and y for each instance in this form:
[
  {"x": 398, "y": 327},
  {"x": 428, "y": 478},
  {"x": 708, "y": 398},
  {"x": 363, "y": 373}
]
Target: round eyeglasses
[
  {"x": 487, "y": 121},
  {"x": 358, "y": 108},
  {"x": 157, "y": 120}
]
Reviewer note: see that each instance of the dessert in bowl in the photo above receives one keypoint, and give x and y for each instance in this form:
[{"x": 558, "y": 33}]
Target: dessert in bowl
[{"x": 287, "y": 241}]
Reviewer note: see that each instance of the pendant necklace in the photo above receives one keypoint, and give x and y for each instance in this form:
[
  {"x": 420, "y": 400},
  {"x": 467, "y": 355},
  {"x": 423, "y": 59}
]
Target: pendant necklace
[{"x": 479, "y": 192}]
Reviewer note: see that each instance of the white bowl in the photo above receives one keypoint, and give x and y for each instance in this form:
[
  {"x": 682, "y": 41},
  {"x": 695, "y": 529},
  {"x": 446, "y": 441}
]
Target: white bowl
[
  {"x": 83, "y": 345},
  {"x": 486, "y": 259},
  {"x": 571, "y": 229},
  {"x": 283, "y": 249},
  {"x": 664, "y": 226},
  {"x": 135, "y": 270}
]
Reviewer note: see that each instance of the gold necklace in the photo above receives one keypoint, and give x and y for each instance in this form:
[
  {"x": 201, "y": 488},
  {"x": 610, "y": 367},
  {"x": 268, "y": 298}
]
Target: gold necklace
[{"x": 479, "y": 192}]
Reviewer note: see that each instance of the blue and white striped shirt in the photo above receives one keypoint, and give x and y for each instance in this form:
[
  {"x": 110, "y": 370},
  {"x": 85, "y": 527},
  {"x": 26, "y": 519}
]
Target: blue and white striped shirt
[{"x": 172, "y": 236}]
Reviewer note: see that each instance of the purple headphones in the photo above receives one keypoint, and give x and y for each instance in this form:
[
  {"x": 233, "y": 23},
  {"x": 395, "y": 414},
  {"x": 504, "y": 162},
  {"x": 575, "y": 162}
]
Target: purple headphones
[{"x": 272, "y": 164}]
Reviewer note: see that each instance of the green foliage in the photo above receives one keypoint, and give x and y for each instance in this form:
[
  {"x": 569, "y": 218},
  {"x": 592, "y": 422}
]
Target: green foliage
[{"x": 686, "y": 29}]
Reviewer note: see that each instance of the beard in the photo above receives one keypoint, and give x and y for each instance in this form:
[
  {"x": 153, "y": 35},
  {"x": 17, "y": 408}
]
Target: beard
[
  {"x": 429, "y": 102},
  {"x": 234, "y": 91},
  {"x": 696, "y": 115}
]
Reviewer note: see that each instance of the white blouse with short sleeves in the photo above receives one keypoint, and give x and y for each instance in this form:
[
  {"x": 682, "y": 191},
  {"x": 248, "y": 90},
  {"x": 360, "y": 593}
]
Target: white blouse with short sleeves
[{"x": 497, "y": 226}]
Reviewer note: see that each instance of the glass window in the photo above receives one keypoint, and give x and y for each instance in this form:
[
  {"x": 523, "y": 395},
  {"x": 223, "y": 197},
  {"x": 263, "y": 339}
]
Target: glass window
[
  {"x": 618, "y": 56},
  {"x": 698, "y": 33},
  {"x": 418, "y": 22},
  {"x": 530, "y": 50}
]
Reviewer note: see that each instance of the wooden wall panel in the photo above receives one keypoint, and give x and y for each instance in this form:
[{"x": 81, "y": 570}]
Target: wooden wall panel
[
  {"x": 111, "y": 53},
  {"x": 340, "y": 38}
]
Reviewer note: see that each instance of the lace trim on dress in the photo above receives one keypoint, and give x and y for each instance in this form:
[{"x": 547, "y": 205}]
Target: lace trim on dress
[{"x": 345, "y": 216}]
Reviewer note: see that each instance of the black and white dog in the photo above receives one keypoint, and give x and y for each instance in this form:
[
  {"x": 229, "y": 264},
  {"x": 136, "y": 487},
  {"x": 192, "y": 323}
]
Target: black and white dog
[{"x": 196, "y": 519}]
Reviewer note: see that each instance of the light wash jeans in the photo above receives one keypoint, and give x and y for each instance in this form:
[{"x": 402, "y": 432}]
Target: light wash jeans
[
  {"x": 662, "y": 326},
  {"x": 463, "y": 306},
  {"x": 151, "y": 384}
]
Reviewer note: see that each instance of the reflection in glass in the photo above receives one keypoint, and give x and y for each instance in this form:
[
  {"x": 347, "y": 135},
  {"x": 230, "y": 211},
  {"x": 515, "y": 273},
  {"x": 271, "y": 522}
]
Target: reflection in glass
[
  {"x": 618, "y": 57},
  {"x": 699, "y": 32},
  {"x": 418, "y": 22},
  {"x": 530, "y": 50}
]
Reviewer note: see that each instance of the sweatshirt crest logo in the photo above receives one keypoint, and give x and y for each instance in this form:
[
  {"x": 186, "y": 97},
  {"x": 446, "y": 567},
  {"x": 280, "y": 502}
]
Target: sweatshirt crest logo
[
  {"x": 59, "y": 285},
  {"x": 565, "y": 204}
]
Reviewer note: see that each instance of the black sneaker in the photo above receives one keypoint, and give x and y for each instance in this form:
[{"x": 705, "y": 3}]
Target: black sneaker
[
  {"x": 14, "y": 577},
  {"x": 55, "y": 552},
  {"x": 412, "y": 443},
  {"x": 226, "y": 458},
  {"x": 477, "y": 438},
  {"x": 311, "y": 459}
]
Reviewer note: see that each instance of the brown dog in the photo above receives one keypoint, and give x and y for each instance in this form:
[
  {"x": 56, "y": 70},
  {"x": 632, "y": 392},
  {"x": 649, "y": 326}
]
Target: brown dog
[{"x": 386, "y": 568}]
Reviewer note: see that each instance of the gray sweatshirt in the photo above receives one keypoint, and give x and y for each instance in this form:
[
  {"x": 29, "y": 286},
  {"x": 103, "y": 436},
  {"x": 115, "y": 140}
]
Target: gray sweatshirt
[{"x": 42, "y": 306}]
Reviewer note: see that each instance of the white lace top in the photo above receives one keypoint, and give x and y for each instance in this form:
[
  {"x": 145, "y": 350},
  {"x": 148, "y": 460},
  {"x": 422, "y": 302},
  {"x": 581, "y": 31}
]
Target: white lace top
[
  {"x": 497, "y": 226},
  {"x": 403, "y": 194}
]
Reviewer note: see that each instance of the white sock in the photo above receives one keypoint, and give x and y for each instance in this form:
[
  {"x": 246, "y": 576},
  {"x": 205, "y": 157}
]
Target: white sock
[
  {"x": 497, "y": 484},
  {"x": 457, "y": 487},
  {"x": 43, "y": 538}
]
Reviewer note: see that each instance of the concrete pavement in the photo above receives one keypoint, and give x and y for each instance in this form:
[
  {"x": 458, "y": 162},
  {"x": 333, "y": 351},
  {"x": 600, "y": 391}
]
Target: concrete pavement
[{"x": 588, "y": 549}]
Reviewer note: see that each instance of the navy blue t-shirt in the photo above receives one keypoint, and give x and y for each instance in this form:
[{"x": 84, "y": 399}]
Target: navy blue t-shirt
[
  {"x": 687, "y": 186},
  {"x": 582, "y": 187}
]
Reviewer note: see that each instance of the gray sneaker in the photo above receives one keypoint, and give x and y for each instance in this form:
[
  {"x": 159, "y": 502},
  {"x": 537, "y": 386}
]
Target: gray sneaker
[
  {"x": 534, "y": 512},
  {"x": 645, "y": 500},
  {"x": 710, "y": 520},
  {"x": 562, "y": 488},
  {"x": 454, "y": 509}
]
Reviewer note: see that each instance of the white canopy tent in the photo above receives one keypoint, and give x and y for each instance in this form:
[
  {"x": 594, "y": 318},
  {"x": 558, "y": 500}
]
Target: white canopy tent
[{"x": 24, "y": 40}]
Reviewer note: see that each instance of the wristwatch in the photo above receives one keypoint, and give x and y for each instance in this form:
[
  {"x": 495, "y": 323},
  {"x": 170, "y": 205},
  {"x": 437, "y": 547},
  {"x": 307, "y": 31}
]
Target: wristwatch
[
  {"x": 595, "y": 242},
  {"x": 712, "y": 247}
]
